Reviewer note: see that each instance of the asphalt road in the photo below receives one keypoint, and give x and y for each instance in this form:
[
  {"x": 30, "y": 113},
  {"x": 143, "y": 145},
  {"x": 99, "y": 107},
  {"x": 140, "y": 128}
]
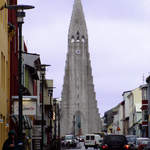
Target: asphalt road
[{"x": 80, "y": 146}]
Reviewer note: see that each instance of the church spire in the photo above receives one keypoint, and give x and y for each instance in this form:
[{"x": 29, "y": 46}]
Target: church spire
[{"x": 77, "y": 24}]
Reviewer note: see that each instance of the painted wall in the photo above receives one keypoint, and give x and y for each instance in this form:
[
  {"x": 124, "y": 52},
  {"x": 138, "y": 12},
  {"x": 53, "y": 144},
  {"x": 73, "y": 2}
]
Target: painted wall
[
  {"x": 137, "y": 93},
  {"x": 4, "y": 73},
  {"x": 13, "y": 51},
  {"x": 135, "y": 113},
  {"x": 126, "y": 99},
  {"x": 13, "y": 60},
  {"x": 49, "y": 83},
  {"x": 115, "y": 124}
]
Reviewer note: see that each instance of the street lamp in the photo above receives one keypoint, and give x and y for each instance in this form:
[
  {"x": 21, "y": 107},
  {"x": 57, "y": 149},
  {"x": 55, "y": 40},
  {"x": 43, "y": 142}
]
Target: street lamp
[
  {"x": 42, "y": 71},
  {"x": 20, "y": 19}
]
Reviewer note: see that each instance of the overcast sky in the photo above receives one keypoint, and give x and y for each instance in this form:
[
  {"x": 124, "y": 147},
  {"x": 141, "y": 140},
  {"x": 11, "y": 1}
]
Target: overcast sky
[{"x": 119, "y": 35}]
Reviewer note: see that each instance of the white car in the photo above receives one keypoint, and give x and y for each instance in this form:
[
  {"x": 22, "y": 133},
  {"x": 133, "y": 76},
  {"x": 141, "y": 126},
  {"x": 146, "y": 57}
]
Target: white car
[
  {"x": 92, "y": 140},
  {"x": 141, "y": 141},
  {"x": 69, "y": 141}
]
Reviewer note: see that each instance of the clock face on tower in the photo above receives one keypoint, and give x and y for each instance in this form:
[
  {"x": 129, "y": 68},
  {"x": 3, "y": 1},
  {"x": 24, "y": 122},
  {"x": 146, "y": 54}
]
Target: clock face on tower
[{"x": 77, "y": 51}]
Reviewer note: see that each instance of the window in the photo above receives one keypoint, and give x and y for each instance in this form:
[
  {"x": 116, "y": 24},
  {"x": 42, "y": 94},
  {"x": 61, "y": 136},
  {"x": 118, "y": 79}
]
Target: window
[
  {"x": 83, "y": 39},
  {"x": 2, "y": 70},
  {"x": 78, "y": 36},
  {"x": 92, "y": 137},
  {"x": 144, "y": 94},
  {"x": 87, "y": 137},
  {"x": 72, "y": 39},
  {"x": 145, "y": 115}
]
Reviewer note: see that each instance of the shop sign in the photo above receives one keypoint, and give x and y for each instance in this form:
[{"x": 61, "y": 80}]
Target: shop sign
[{"x": 29, "y": 108}]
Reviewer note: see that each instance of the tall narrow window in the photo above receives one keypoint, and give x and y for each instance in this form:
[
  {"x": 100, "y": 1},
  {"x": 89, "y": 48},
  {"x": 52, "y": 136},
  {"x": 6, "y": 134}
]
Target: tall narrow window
[
  {"x": 145, "y": 115},
  {"x": 2, "y": 70},
  {"x": 144, "y": 94},
  {"x": 72, "y": 39},
  {"x": 78, "y": 36},
  {"x": 4, "y": 77},
  {"x": 83, "y": 39},
  {"x": 7, "y": 76}
]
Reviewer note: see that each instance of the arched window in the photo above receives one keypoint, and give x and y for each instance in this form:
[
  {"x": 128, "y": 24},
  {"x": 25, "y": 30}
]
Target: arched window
[
  {"x": 78, "y": 36},
  {"x": 83, "y": 39},
  {"x": 72, "y": 39}
]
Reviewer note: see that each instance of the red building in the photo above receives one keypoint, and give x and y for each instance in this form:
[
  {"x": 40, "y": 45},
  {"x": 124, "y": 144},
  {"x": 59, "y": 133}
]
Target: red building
[{"x": 12, "y": 20}]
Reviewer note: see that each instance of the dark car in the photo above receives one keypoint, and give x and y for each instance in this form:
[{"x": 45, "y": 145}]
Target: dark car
[{"x": 115, "y": 142}]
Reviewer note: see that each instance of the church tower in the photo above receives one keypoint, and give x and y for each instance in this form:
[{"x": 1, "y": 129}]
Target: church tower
[{"x": 79, "y": 112}]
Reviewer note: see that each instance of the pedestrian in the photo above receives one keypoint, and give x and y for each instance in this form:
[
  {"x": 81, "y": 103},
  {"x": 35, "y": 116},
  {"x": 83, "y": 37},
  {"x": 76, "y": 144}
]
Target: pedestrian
[
  {"x": 10, "y": 143},
  {"x": 25, "y": 141}
]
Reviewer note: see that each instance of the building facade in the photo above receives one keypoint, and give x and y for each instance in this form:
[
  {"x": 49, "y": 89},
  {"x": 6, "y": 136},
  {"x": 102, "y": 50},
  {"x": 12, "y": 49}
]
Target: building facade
[
  {"x": 144, "y": 108},
  {"x": 148, "y": 97},
  {"x": 79, "y": 106},
  {"x": 130, "y": 117},
  {"x": 12, "y": 20},
  {"x": 4, "y": 74},
  {"x": 137, "y": 112},
  {"x": 126, "y": 112}
]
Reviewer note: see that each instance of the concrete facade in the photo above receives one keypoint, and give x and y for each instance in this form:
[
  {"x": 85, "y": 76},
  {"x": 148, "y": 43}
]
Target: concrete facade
[
  {"x": 120, "y": 120},
  {"x": 79, "y": 106},
  {"x": 133, "y": 115},
  {"x": 127, "y": 113}
]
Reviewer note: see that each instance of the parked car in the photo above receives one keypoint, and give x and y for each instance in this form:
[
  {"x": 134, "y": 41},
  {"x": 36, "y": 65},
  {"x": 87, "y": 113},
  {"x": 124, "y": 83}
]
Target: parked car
[
  {"x": 69, "y": 141},
  {"x": 131, "y": 141},
  {"x": 81, "y": 138},
  {"x": 63, "y": 141},
  {"x": 92, "y": 140},
  {"x": 115, "y": 142},
  {"x": 141, "y": 143}
]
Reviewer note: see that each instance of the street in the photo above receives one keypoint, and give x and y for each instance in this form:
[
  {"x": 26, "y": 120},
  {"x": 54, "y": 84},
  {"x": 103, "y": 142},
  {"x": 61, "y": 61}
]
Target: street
[{"x": 79, "y": 147}]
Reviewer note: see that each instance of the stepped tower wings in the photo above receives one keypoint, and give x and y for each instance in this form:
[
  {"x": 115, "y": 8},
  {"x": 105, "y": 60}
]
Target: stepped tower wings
[{"x": 78, "y": 23}]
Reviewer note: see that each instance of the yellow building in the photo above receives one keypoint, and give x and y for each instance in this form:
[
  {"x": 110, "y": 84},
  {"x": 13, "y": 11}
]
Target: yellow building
[
  {"x": 4, "y": 74},
  {"x": 137, "y": 95}
]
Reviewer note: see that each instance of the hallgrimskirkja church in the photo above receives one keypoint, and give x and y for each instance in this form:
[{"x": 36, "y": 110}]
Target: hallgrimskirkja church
[{"x": 79, "y": 111}]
